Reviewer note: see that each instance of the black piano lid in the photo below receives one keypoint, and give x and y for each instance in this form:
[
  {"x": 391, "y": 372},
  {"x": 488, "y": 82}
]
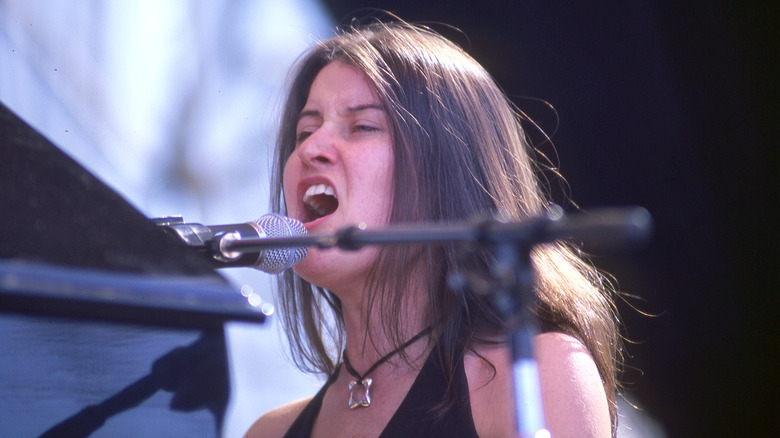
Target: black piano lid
[{"x": 71, "y": 246}]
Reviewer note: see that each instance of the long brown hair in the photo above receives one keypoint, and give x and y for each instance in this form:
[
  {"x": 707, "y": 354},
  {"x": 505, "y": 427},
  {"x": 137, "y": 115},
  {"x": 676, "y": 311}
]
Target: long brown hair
[{"x": 460, "y": 152}]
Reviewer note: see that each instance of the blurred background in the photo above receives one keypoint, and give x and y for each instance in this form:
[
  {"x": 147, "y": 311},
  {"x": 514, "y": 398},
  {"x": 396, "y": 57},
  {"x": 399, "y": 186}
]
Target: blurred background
[{"x": 668, "y": 106}]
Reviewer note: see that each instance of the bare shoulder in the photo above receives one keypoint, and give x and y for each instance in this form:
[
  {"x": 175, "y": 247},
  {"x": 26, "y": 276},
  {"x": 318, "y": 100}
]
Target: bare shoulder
[
  {"x": 275, "y": 423},
  {"x": 489, "y": 375},
  {"x": 573, "y": 396}
]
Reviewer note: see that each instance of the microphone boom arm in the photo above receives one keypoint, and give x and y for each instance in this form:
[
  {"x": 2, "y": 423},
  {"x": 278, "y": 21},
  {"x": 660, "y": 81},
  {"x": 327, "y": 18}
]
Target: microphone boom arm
[{"x": 603, "y": 229}]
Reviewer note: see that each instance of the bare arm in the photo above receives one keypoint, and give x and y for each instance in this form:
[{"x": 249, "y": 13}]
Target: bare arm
[
  {"x": 575, "y": 404},
  {"x": 573, "y": 397}
]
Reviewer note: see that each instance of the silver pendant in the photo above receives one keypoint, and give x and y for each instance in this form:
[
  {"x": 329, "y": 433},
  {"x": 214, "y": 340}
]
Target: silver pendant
[{"x": 360, "y": 393}]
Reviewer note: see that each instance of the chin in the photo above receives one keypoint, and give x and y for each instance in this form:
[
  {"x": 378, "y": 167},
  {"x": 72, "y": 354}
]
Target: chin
[
  {"x": 334, "y": 269},
  {"x": 309, "y": 267}
]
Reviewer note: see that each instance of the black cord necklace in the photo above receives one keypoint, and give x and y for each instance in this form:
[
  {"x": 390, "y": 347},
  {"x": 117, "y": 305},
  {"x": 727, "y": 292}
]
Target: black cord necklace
[{"x": 359, "y": 390}]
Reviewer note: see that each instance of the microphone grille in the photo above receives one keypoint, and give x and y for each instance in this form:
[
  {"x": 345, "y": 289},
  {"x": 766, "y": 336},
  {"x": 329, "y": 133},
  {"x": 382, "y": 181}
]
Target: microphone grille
[{"x": 276, "y": 260}]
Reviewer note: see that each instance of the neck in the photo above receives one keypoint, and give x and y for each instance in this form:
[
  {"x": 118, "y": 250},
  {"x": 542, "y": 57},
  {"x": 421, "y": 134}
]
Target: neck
[
  {"x": 382, "y": 360},
  {"x": 367, "y": 340}
]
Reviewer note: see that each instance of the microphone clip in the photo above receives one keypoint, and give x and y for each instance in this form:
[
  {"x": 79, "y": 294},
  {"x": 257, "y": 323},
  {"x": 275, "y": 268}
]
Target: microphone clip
[
  {"x": 226, "y": 245},
  {"x": 201, "y": 237}
]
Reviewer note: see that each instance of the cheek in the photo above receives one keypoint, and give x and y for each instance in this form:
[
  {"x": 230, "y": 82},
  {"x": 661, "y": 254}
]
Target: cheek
[
  {"x": 381, "y": 171},
  {"x": 289, "y": 174},
  {"x": 388, "y": 184},
  {"x": 389, "y": 172}
]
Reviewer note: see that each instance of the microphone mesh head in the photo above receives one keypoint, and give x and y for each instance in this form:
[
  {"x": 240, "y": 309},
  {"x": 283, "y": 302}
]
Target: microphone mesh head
[{"x": 276, "y": 260}]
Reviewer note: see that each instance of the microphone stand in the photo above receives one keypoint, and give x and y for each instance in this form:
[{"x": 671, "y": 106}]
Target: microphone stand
[
  {"x": 512, "y": 296},
  {"x": 512, "y": 290}
]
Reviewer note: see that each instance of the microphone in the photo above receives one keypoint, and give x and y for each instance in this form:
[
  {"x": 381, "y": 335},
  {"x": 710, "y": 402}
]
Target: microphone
[{"x": 215, "y": 241}]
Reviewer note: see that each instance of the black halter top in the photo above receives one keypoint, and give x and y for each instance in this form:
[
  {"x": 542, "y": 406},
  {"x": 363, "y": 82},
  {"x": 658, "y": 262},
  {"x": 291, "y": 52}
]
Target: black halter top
[{"x": 416, "y": 416}]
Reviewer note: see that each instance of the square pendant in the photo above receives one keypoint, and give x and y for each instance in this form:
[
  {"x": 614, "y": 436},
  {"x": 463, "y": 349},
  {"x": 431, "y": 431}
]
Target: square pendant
[{"x": 359, "y": 393}]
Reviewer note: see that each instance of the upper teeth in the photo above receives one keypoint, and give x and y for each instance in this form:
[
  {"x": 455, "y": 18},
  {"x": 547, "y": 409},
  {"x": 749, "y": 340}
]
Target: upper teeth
[{"x": 318, "y": 189}]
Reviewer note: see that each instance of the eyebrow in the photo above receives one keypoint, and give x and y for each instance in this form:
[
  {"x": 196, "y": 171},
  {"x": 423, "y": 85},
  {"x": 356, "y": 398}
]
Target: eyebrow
[{"x": 349, "y": 110}]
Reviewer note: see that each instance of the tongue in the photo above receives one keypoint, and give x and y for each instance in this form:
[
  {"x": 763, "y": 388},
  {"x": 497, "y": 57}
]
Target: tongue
[{"x": 321, "y": 205}]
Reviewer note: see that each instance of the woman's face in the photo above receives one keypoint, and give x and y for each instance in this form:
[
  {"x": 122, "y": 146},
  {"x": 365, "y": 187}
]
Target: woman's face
[{"x": 341, "y": 171}]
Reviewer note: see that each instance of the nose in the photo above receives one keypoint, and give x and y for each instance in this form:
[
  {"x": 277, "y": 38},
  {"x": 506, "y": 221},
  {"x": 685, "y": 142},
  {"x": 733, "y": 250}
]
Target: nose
[{"x": 319, "y": 148}]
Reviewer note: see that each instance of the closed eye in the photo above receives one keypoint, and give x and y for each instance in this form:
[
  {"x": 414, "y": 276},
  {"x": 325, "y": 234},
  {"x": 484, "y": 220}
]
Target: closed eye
[
  {"x": 365, "y": 128},
  {"x": 301, "y": 136}
]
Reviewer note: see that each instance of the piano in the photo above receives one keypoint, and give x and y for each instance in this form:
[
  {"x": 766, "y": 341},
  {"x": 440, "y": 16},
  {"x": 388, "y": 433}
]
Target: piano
[{"x": 109, "y": 326}]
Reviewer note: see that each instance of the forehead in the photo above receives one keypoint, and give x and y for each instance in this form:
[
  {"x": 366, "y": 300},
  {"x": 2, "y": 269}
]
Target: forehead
[{"x": 340, "y": 85}]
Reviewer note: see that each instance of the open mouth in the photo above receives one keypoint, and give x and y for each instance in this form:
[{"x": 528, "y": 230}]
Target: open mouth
[{"x": 319, "y": 201}]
